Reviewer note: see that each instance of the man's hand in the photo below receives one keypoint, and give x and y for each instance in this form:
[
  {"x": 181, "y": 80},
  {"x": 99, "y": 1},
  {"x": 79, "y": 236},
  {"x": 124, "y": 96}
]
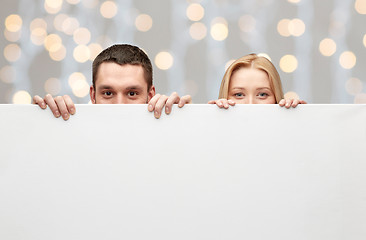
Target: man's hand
[
  {"x": 158, "y": 102},
  {"x": 60, "y": 105},
  {"x": 287, "y": 103},
  {"x": 222, "y": 103}
]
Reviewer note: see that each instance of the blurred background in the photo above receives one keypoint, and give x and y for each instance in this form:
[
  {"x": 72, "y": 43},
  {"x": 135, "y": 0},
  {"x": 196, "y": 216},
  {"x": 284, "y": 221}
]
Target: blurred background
[{"x": 318, "y": 46}]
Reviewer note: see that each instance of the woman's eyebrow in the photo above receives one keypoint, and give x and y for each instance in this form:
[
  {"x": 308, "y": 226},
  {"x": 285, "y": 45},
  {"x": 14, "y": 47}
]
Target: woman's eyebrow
[{"x": 264, "y": 88}]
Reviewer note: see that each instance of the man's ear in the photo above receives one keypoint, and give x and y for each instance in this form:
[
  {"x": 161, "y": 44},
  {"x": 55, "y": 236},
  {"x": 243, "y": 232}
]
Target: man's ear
[
  {"x": 151, "y": 93},
  {"x": 92, "y": 94}
]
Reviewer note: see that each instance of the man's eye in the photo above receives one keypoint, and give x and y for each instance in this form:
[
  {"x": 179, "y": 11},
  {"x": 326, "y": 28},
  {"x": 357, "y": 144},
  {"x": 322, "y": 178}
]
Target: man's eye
[
  {"x": 131, "y": 94},
  {"x": 108, "y": 93}
]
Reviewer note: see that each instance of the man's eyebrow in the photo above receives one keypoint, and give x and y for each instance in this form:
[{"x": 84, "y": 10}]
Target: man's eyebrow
[
  {"x": 134, "y": 88},
  {"x": 105, "y": 87}
]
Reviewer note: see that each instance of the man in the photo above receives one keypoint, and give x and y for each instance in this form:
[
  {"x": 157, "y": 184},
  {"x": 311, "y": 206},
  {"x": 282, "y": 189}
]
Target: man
[{"x": 122, "y": 74}]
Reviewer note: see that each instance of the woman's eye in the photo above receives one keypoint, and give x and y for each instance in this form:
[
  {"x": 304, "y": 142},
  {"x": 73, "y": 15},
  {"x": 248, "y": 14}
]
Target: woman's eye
[
  {"x": 238, "y": 95},
  {"x": 263, "y": 94}
]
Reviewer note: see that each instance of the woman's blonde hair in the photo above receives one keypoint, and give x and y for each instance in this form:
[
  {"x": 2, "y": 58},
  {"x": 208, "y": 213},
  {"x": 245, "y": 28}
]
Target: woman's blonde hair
[{"x": 256, "y": 62}]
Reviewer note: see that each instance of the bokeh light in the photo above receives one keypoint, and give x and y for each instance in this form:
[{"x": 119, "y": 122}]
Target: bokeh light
[
  {"x": 52, "y": 86},
  {"x": 38, "y": 23},
  {"x": 82, "y": 36},
  {"x": 53, "y": 6},
  {"x": 7, "y": 74},
  {"x": 247, "y": 23},
  {"x": 219, "y": 29},
  {"x": 164, "y": 60},
  {"x": 69, "y": 25},
  {"x": 12, "y": 52},
  {"x": 283, "y": 27},
  {"x": 94, "y": 49},
  {"x": 108, "y": 9},
  {"x": 360, "y": 6},
  {"x": 74, "y": 2},
  {"x": 354, "y": 86},
  {"x": 58, "y": 21},
  {"x": 195, "y": 12},
  {"x": 58, "y": 53},
  {"x": 52, "y": 42},
  {"x": 22, "y": 97},
  {"x": 78, "y": 84},
  {"x": 296, "y": 27},
  {"x": 143, "y": 22},
  {"x": 90, "y": 3},
  {"x": 12, "y": 36},
  {"x": 198, "y": 31},
  {"x": 288, "y": 63},
  {"x": 294, "y": 1},
  {"x": 81, "y": 53},
  {"x": 38, "y": 36},
  {"x": 327, "y": 47},
  {"x": 13, "y": 23},
  {"x": 360, "y": 98},
  {"x": 347, "y": 60},
  {"x": 364, "y": 40},
  {"x": 75, "y": 77}
]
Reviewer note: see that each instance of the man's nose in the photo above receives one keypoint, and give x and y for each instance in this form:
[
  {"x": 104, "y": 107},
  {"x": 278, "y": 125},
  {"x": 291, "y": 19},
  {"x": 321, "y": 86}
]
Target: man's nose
[{"x": 121, "y": 99}]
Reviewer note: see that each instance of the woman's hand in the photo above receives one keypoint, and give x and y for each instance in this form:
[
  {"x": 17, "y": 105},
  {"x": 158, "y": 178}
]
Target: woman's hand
[
  {"x": 222, "y": 103},
  {"x": 287, "y": 103}
]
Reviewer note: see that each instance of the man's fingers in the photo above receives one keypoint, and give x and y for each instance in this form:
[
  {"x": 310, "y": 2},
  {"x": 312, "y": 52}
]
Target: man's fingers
[
  {"x": 52, "y": 104},
  {"x": 152, "y": 102},
  {"x": 62, "y": 107},
  {"x": 174, "y": 98},
  {"x": 187, "y": 99},
  {"x": 69, "y": 104},
  {"x": 39, "y": 101},
  {"x": 159, "y": 106}
]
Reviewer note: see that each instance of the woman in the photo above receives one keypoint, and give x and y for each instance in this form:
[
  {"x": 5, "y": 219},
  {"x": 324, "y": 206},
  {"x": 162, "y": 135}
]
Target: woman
[{"x": 252, "y": 80}]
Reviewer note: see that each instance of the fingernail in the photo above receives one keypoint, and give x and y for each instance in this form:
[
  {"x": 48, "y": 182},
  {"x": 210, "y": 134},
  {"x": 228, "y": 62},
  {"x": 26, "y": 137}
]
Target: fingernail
[
  {"x": 72, "y": 110},
  {"x": 220, "y": 104},
  {"x": 66, "y": 116},
  {"x": 167, "y": 111},
  {"x": 43, "y": 105},
  {"x": 156, "y": 114},
  {"x": 150, "y": 107},
  {"x": 57, "y": 114}
]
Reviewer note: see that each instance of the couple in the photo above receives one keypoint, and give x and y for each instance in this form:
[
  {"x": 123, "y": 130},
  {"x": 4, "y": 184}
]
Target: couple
[{"x": 122, "y": 74}]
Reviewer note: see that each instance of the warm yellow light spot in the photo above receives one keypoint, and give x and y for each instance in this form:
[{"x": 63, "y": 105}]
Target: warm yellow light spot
[
  {"x": 70, "y": 25},
  {"x": 164, "y": 60},
  {"x": 81, "y": 53},
  {"x": 90, "y": 3},
  {"x": 74, "y": 2},
  {"x": 12, "y": 36},
  {"x": 347, "y": 60},
  {"x": 265, "y": 55},
  {"x": 12, "y": 52},
  {"x": 288, "y": 63},
  {"x": 82, "y": 36},
  {"x": 198, "y": 31},
  {"x": 219, "y": 29},
  {"x": 80, "y": 88},
  {"x": 38, "y": 36},
  {"x": 52, "y": 86},
  {"x": 7, "y": 74},
  {"x": 228, "y": 63},
  {"x": 58, "y": 53},
  {"x": 354, "y": 86},
  {"x": 75, "y": 77},
  {"x": 38, "y": 23},
  {"x": 13, "y": 23},
  {"x": 283, "y": 27},
  {"x": 294, "y": 1},
  {"x": 360, "y": 6},
  {"x": 327, "y": 47},
  {"x": 53, "y": 6},
  {"x": 291, "y": 95},
  {"x": 22, "y": 97},
  {"x": 108, "y": 9},
  {"x": 195, "y": 12},
  {"x": 58, "y": 21},
  {"x": 247, "y": 23},
  {"x": 95, "y": 49},
  {"x": 143, "y": 22},
  {"x": 296, "y": 27},
  {"x": 52, "y": 41},
  {"x": 360, "y": 98}
]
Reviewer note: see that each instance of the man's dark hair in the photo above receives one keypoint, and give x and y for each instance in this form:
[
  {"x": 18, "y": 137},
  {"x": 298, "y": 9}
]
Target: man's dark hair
[{"x": 124, "y": 54}]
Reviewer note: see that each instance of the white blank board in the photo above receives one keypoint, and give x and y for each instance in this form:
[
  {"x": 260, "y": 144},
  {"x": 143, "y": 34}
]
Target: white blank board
[{"x": 249, "y": 172}]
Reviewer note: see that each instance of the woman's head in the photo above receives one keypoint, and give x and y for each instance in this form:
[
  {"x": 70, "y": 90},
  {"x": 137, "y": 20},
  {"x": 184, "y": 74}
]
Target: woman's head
[{"x": 251, "y": 79}]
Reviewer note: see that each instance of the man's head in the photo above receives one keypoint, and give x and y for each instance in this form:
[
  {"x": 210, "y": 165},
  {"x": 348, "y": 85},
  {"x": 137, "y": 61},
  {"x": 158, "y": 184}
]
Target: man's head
[{"x": 122, "y": 74}]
